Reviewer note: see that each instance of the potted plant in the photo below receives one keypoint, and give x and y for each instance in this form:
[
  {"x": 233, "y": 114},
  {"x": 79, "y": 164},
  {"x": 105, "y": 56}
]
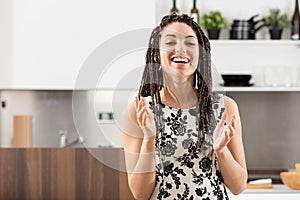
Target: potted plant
[
  {"x": 276, "y": 22},
  {"x": 213, "y": 22}
]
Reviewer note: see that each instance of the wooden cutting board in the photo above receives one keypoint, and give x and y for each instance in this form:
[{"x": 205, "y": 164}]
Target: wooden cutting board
[
  {"x": 259, "y": 186},
  {"x": 22, "y": 131}
]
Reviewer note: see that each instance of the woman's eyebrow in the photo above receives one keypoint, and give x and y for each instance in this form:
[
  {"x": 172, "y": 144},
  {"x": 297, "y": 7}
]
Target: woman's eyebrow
[
  {"x": 173, "y": 35},
  {"x": 190, "y": 36},
  {"x": 170, "y": 35}
]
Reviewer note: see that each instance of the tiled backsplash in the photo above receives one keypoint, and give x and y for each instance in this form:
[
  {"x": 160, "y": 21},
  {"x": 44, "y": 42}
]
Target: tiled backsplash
[
  {"x": 52, "y": 113},
  {"x": 271, "y": 129},
  {"x": 270, "y": 126}
]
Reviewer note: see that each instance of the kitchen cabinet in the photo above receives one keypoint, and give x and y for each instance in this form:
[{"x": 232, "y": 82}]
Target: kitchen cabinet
[
  {"x": 45, "y": 43},
  {"x": 61, "y": 173},
  {"x": 78, "y": 173}
]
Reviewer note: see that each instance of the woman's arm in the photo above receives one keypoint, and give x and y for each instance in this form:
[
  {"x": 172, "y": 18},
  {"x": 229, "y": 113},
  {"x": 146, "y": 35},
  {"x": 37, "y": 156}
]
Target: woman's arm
[
  {"x": 139, "y": 147},
  {"x": 230, "y": 151}
]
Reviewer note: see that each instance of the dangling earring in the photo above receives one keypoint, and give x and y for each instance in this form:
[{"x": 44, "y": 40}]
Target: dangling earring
[{"x": 196, "y": 80}]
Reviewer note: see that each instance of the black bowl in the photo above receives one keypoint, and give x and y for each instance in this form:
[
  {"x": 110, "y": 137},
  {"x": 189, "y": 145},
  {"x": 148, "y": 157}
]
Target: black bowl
[{"x": 236, "y": 79}]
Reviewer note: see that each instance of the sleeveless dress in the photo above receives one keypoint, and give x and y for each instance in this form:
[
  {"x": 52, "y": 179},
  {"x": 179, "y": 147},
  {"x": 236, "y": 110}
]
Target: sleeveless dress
[{"x": 182, "y": 172}]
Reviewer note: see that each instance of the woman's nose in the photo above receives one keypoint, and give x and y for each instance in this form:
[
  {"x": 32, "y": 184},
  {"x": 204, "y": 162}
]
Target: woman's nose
[{"x": 180, "y": 49}]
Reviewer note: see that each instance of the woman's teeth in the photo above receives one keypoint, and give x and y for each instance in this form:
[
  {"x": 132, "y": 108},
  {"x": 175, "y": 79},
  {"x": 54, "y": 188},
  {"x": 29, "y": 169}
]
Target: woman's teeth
[{"x": 180, "y": 60}]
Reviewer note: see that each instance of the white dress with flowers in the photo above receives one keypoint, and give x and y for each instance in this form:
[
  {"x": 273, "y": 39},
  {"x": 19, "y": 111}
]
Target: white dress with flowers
[{"x": 182, "y": 170}]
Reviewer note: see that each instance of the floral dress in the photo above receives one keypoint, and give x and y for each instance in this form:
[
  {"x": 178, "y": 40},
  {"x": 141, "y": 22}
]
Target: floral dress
[{"x": 182, "y": 170}]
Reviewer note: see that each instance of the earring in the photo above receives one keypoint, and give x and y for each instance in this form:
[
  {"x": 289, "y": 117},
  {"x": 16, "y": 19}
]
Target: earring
[{"x": 196, "y": 80}]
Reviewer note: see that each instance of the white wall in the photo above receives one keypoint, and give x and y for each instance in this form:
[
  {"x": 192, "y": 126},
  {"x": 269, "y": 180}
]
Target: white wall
[
  {"x": 51, "y": 39},
  {"x": 45, "y": 43},
  {"x": 5, "y": 42},
  {"x": 254, "y": 58}
]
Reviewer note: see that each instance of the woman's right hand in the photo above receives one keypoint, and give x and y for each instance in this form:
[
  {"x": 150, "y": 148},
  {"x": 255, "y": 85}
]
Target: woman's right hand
[
  {"x": 223, "y": 133},
  {"x": 144, "y": 118}
]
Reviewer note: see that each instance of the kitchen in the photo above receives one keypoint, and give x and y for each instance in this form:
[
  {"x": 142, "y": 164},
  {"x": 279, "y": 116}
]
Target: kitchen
[{"x": 47, "y": 46}]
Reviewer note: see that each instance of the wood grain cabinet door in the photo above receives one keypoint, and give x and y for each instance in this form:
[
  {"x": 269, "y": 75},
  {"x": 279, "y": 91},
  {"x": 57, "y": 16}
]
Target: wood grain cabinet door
[{"x": 59, "y": 173}]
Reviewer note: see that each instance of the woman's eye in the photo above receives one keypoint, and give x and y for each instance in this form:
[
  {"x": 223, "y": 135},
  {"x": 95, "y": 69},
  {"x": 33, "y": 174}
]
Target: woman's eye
[
  {"x": 190, "y": 43},
  {"x": 170, "y": 43}
]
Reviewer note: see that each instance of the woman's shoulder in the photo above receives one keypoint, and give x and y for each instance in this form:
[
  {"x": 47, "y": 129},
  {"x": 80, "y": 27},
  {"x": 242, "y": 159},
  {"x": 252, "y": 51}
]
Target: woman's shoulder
[
  {"x": 230, "y": 104},
  {"x": 131, "y": 107},
  {"x": 229, "y": 101}
]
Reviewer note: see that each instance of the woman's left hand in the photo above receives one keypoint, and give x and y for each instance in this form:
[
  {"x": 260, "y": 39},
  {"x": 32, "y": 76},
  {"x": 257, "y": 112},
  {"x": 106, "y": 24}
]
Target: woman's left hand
[{"x": 223, "y": 133}]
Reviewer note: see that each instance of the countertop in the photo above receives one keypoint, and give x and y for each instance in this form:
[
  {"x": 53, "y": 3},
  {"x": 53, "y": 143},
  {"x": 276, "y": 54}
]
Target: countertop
[
  {"x": 278, "y": 188},
  {"x": 279, "y": 191}
]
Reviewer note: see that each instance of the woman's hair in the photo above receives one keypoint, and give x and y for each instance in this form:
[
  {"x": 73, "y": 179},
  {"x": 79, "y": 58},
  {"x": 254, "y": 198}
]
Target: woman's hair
[{"x": 152, "y": 79}]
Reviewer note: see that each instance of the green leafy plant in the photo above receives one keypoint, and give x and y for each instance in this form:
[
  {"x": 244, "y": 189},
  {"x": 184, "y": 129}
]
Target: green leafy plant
[
  {"x": 276, "y": 19},
  {"x": 213, "y": 20}
]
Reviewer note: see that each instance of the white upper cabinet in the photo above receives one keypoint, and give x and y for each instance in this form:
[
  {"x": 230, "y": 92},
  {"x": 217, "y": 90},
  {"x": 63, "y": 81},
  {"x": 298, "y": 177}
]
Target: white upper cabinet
[{"x": 44, "y": 44}]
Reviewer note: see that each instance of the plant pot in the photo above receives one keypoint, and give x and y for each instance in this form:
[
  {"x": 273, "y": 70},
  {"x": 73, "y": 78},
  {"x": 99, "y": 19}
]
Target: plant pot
[
  {"x": 275, "y": 33},
  {"x": 213, "y": 33}
]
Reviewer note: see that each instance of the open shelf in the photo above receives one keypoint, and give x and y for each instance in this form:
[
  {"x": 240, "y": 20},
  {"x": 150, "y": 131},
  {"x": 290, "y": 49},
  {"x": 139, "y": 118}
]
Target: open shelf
[
  {"x": 261, "y": 89},
  {"x": 257, "y": 42}
]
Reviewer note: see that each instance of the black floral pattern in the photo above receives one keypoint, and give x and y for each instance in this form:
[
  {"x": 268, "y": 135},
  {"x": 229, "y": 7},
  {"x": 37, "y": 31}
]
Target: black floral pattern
[
  {"x": 187, "y": 143},
  {"x": 169, "y": 148},
  {"x": 205, "y": 164},
  {"x": 177, "y": 123},
  {"x": 184, "y": 170}
]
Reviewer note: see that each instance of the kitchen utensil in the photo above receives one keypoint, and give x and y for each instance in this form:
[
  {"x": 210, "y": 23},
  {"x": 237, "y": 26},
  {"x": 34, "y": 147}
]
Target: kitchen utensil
[
  {"x": 261, "y": 181},
  {"x": 259, "y": 186},
  {"x": 265, "y": 183},
  {"x": 236, "y": 79},
  {"x": 245, "y": 29},
  {"x": 22, "y": 131}
]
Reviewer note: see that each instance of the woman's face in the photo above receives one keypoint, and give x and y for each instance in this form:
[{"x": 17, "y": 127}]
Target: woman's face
[{"x": 179, "y": 49}]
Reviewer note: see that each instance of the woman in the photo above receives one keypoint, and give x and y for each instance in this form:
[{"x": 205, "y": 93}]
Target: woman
[{"x": 181, "y": 140}]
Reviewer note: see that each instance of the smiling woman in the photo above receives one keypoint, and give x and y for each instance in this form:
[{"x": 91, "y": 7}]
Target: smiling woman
[
  {"x": 179, "y": 49},
  {"x": 182, "y": 140}
]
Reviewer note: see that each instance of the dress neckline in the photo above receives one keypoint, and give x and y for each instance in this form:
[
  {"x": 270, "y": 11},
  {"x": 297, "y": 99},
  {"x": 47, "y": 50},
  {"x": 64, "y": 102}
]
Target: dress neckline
[{"x": 176, "y": 109}]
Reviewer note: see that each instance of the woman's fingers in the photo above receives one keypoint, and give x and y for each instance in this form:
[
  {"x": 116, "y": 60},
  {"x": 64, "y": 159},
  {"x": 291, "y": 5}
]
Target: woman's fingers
[
  {"x": 231, "y": 126},
  {"x": 224, "y": 132},
  {"x": 232, "y": 131},
  {"x": 144, "y": 118},
  {"x": 142, "y": 112},
  {"x": 233, "y": 121},
  {"x": 142, "y": 115}
]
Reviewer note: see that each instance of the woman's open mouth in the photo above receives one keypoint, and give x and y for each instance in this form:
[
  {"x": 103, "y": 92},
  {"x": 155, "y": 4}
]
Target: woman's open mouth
[{"x": 178, "y": 59}]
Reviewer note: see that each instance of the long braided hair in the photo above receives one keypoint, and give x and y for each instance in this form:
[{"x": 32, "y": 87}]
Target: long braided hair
[{"x": 152, "y": 79}]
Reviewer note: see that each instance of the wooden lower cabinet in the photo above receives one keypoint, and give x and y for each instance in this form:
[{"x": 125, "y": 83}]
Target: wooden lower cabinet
[{"x": 62, "y": 173}]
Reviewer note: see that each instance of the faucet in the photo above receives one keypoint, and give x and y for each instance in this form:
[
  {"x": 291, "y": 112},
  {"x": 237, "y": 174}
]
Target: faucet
[
  {"x": 78, "y": 140},
  {"x": 63, "y": 140}
]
